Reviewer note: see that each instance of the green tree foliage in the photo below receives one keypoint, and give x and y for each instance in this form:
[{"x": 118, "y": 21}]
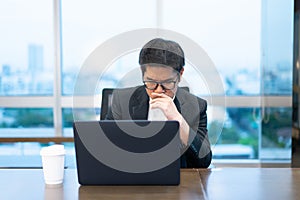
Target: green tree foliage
[
  {"x": 29, "y": 117},
  {"x": 276, "y": 123}
]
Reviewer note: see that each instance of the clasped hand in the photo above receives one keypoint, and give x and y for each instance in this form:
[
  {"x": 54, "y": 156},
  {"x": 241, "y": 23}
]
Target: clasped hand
[{"x": 166, "y": 104}]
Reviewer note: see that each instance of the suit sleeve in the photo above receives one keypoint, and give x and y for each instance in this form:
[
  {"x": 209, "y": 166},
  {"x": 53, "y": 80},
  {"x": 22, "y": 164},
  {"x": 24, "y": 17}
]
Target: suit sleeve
[{"x": 198, "y": 154}]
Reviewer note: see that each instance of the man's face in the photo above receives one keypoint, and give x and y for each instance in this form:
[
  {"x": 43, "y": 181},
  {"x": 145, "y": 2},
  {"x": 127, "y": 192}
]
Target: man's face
[{"x": 165, "y": 76}]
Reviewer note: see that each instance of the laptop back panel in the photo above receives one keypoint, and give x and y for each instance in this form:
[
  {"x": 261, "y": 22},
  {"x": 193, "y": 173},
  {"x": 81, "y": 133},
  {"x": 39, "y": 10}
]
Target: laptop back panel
[{"x": 126, "y": 155}]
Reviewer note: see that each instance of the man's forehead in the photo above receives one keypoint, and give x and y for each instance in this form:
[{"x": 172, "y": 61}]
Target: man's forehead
[
  {"x": 161, "y": 74},
  {"x": 153, "y": 68},
  {"x": 160, "y": 77}
]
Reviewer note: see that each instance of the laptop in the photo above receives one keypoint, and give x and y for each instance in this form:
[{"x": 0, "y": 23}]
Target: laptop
[{"x": 123, "y": 152}]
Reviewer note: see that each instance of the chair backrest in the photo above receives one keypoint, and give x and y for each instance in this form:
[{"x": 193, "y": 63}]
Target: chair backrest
[{"x": 107, "y": 100}]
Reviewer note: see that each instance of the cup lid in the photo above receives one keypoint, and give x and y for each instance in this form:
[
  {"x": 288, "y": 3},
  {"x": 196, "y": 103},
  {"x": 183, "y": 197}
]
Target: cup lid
[{"x": 56, "y": 149}]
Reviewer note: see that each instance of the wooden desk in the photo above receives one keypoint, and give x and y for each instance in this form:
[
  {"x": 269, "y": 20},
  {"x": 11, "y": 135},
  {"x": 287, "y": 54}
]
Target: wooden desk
[
  {"x": 29, "y": 184},
  {"x": 226, "y": 183},
  {"x": 251, "y": 183},
  {"x": 190, "y": 188}
]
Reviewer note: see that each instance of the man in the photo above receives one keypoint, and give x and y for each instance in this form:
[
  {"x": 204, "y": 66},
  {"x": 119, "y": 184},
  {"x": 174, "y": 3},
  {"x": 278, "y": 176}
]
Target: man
[{"x": 160, "y": 98}]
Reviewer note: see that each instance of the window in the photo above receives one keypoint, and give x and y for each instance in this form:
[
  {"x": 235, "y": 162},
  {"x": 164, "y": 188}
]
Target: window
[{"x": 250, "y": 43}]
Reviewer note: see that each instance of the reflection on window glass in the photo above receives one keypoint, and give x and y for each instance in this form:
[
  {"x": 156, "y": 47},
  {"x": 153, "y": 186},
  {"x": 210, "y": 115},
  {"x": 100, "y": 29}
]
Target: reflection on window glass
[
  {"x": 26, "y": 122},
  {"x": 276, "y": 133},
  {"x": 26, "y": 50},
  {"x": 239, "y": 136}
]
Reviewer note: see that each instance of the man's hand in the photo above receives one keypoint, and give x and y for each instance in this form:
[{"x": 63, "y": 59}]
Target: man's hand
[{"x": 166, "y": 104}]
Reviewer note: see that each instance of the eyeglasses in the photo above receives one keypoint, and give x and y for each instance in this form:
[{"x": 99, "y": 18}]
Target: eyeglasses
[{"x": 166, "y": 85}]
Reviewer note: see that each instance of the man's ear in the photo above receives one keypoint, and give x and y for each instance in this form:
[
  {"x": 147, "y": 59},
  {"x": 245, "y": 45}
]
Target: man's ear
[{"x": 180, "y": 73}]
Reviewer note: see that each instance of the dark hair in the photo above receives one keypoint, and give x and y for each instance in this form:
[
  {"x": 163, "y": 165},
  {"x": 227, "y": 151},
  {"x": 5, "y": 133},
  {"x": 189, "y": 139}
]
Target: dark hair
[{"x": 162, "y": 52}]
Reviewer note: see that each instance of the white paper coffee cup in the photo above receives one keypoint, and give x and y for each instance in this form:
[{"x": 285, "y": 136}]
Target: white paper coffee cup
[{"x": 53, "y": 160}]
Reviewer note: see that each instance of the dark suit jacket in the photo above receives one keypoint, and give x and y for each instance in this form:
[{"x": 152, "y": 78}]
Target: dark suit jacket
[{"x": 133, "y": 103}]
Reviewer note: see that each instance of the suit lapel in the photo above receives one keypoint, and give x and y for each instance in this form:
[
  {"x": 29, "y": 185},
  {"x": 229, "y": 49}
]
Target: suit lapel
[
  {"x": 177, "y": 104},
  {"x": 139, "y": 102},
  {"x": 180, "y": 102}
]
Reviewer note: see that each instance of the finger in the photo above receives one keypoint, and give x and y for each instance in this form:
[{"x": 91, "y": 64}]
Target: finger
[
  {"x": 156, "y": 105},
  {"x": 161, "y": 99},
  {"x": 154, "y": 94}
]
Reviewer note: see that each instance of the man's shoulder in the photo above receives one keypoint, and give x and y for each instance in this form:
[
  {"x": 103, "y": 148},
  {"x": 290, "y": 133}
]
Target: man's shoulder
[
  {"x": 186, "y": 95},
  {"x": 190, "y": 104}
]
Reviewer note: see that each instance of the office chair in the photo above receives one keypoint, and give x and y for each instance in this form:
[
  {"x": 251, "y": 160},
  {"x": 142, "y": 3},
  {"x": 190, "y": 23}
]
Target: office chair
[
  {"x": 106, "y": 102},
  {"x": 107, "y": 97}
]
